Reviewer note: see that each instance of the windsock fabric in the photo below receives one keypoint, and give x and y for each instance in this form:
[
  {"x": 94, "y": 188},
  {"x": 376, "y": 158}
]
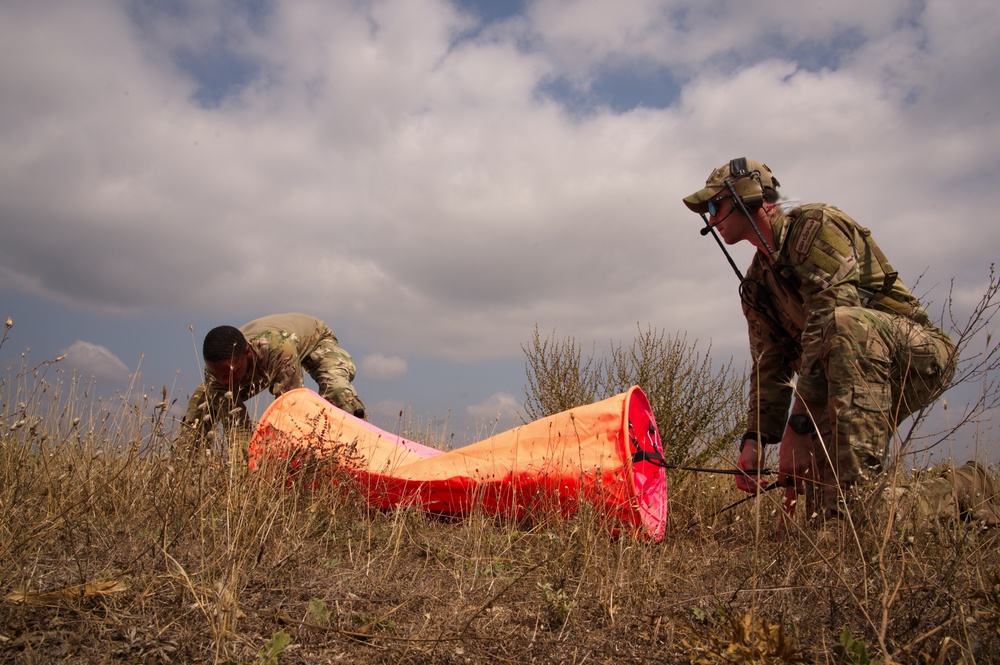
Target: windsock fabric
[{"x": 608, "y": 454}]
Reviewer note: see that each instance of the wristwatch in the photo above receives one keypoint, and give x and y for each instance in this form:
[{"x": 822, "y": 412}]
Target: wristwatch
[{"x": 801, "y": 423}]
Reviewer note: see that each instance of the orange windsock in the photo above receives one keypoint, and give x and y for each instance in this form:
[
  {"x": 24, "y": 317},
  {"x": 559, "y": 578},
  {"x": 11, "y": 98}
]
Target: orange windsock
[{"x": 608, "y": 454}]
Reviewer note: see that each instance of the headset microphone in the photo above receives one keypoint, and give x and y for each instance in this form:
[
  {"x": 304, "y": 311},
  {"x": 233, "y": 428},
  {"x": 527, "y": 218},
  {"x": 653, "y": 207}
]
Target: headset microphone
[{"x": 708, "y": 228}]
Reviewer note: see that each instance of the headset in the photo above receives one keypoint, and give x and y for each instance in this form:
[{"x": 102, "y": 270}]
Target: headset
[
  {"x": 748, "y": 195},
  {"x": 745, "y": 184}
]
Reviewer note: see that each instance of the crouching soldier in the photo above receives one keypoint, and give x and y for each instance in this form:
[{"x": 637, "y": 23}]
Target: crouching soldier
[
  {"x": 268, "y": 353},
  {"x": 836, "y": 339}
]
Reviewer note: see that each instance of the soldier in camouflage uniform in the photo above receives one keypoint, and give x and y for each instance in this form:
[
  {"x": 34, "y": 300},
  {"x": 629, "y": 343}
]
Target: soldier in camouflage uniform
[
  {"x": 268, "y": 353},
  {"x": 834, "y": 334}
]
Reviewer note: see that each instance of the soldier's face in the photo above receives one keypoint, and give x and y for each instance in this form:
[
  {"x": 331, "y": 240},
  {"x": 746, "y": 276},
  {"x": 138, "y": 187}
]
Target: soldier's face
[
  {"x": 721, "y": 217},
  {"x": 227, "y": 373}
]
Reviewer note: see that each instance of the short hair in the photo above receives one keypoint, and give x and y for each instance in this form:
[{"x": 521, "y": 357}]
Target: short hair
[{"x": 223, "y": 343}]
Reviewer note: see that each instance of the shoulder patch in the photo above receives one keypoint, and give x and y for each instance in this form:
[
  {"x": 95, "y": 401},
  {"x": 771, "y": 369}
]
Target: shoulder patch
[{"x": 810, "y": 229}]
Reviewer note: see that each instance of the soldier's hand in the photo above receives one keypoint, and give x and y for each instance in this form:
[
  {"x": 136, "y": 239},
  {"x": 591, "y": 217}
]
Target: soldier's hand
[
  {"x": 345, "y": 399},
  {"x": 796, "y": 460},
  {"x": 356, "y": 407},
  {"x": 189, "y": 439},
  {"x": 752, "y": 461}
]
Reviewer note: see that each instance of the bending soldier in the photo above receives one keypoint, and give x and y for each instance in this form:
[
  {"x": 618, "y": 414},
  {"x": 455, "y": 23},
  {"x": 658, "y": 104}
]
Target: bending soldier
[{"x": 268, "y": 353}]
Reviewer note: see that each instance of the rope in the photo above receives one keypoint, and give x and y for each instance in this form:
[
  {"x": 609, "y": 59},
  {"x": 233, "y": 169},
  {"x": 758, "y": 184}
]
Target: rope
[{"x": 655, "y": 458}]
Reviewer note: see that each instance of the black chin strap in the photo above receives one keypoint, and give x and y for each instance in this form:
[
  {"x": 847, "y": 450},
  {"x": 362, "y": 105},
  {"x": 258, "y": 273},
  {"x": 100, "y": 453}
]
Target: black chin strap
[{"x": 746, "y": 213}]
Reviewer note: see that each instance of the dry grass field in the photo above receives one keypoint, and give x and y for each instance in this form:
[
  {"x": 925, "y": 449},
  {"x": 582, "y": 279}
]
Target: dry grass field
[{"x": 114, "y": 550}]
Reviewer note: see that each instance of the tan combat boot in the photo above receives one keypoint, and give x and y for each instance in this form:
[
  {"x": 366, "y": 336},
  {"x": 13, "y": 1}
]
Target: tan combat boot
[{"x": 975, "y": 494}]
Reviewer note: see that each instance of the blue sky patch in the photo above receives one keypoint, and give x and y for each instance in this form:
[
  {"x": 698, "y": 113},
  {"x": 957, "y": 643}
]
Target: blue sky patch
[
  {"x": 219, "y": 73},
  {"x": 620, "y": 89},
  {"x": 492, "y": 10},
  {"x": 218, "y": 66},
  {"x": 814, "y": 56}
]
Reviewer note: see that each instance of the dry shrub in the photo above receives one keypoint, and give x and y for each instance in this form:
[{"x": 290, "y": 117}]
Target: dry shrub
[{"x": 698, "y": 407}]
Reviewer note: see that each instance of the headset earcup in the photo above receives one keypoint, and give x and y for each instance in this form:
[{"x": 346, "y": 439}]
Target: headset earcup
[{"x": 750, "y": 192}]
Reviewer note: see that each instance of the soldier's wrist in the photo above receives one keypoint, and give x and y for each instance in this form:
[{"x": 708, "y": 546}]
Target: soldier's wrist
[{"x": 752, "y": 436}]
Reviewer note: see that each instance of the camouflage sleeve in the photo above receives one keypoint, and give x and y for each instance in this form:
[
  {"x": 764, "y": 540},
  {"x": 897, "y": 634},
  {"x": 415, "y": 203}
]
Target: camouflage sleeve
[
  {"x": 209, "y": 407},
  {"x": 770, "y": 381},
  {"x": 197, "y": 410},
  {"x": 279, "y": 358},
  {"x": 821, "y": 250}
]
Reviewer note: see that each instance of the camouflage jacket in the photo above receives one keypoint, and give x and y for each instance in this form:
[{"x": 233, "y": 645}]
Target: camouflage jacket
[
  {"x": 822, "y": 260},
  {"x": 278, "y": 345}
]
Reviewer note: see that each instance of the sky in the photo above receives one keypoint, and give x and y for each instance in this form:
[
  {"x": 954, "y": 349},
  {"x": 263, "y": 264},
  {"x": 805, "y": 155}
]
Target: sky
[{"x": 438, "y": 178}]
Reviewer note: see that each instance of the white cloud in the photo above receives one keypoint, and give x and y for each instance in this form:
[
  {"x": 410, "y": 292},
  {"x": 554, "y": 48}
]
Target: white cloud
[
  {"x": 395, "y": 172},
  {"x": 497, "y": 413},
  {"x": 93, "y": 360},
  {"x": 393, "y": 414},
  {"x": 378, "y": 366}
]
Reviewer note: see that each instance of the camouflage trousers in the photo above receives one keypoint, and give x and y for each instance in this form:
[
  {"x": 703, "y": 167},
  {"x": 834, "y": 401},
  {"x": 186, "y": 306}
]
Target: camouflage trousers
[
  {"x": 880, "y": 369},
  {"x": 332, "y": 368}
]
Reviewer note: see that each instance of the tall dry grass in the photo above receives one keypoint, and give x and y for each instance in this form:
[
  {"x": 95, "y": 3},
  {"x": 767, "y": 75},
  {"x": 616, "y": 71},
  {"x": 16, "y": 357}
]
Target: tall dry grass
[
  {"x": 114, "y": 550},
  {"x": 111, "y": 550}
]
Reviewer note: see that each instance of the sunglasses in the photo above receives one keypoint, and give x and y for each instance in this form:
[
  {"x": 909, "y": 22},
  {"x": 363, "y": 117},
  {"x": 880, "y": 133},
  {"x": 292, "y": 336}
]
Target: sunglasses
[{"x": 713, "y": 205}]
